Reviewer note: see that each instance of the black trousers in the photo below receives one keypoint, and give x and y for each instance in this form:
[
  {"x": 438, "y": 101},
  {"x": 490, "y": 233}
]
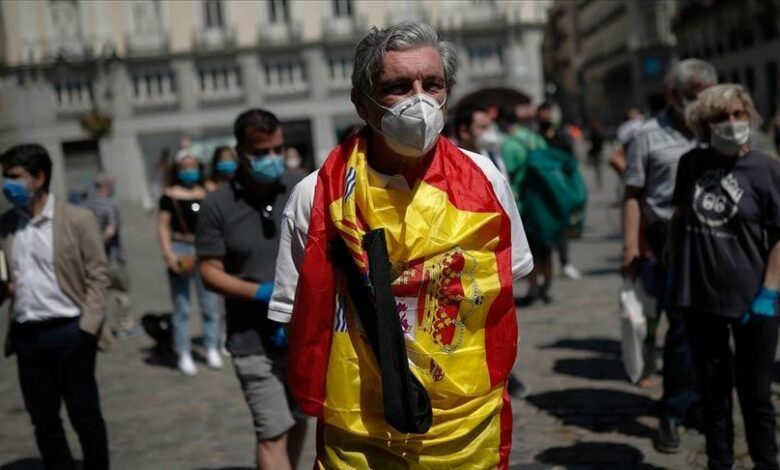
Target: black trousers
[
  {"x": 749, "y": 366},
  {"x": 57, "y": 363}
]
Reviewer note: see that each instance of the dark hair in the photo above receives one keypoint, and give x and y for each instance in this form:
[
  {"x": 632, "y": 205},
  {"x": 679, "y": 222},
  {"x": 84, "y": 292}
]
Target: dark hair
[
  {"x": 507, "y": 115},
  {"x": 257, "y": 119},
  {"x": 546, "y": 105},
  {"x": 464, "y": 117},
  {"x": 215, "y": 159},
  {"x": 32, "y": 157}
]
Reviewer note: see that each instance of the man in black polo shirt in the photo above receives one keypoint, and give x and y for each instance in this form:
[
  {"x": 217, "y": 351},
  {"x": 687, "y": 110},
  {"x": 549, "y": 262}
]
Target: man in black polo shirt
[{"x": 237, "y": 241}]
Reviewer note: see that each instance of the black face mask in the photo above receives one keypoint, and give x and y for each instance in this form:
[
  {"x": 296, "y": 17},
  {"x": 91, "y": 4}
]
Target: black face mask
[{"x": 545, "y": 126}]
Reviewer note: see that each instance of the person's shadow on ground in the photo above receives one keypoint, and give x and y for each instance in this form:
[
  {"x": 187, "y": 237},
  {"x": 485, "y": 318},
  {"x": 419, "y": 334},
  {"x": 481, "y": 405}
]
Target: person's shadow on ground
[
  {"x": 595, "y": 455},
  {"x": 30, "y": 463}
]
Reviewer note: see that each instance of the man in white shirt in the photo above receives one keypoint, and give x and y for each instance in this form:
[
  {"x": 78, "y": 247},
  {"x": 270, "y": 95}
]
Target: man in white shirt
[
  {"x": 402, "y": 312},
  {"x": 57, "y": 281}
]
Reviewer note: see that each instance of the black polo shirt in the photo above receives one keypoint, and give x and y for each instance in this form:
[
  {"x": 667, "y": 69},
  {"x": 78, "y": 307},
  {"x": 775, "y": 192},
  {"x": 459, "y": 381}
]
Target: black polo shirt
[{"x": 235, "y": 226}]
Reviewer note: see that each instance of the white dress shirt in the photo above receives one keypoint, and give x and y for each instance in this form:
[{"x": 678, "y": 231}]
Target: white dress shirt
[
  {"x": 295, "y": 227},
  {"x": 38, "y": 295}
]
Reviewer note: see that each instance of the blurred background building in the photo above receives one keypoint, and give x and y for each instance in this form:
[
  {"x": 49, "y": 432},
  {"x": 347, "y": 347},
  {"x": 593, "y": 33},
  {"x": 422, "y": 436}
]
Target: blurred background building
[
  {"x": 741, "y": 38},
  {"x": 109, "y": 84},
  {"x": 603, "y": 56}
]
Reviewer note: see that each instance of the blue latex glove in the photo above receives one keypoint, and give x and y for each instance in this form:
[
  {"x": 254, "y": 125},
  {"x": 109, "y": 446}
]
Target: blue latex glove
[
  {"x": 278, "y": 337},
  {"x": 764, "y": 306},
  {"x": 264, "y": 292}
]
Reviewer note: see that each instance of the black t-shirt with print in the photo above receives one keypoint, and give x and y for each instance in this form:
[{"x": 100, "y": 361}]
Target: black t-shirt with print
[{"x": 730, "y": 218}]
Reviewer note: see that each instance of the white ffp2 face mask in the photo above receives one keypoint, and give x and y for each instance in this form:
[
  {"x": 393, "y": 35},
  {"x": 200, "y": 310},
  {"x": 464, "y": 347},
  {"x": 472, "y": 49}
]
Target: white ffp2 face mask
[
  {"x": 489, "y": 141},
  {"x": 728, "y": 137},
  {"x": 412, "y": 126}
]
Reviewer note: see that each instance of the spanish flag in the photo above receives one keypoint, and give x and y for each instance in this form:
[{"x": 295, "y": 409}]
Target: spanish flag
[{"x": 448, "y": 243}]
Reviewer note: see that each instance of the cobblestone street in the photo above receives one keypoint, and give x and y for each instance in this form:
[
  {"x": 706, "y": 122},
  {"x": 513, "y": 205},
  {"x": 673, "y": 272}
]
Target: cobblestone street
[{"x": 581, "y": 411}]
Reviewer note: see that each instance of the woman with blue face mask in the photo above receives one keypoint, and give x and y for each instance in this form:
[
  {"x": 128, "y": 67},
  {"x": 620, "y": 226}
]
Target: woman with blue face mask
[
  {"x": 223, "y": 168},
  {"x": 176, "y": 224}
]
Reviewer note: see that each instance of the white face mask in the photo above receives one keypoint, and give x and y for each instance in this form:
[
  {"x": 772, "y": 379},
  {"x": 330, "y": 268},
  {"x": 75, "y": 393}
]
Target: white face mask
[
  {"x": 728, "y": 137},
  {"x": 412, "y": 126},
  {"x": 489, "y": 141}
]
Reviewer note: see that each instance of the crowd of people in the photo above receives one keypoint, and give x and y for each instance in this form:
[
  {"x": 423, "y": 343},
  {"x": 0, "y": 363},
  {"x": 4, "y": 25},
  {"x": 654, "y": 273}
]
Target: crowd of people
[{"x": 394, "y": 265}]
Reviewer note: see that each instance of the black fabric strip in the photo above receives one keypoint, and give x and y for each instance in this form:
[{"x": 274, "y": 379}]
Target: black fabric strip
[{"x": 407, "y": 406}]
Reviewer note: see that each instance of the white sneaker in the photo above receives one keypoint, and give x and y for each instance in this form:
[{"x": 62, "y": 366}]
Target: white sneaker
[
  {"x": 571, "y": 272},
  {"x": 213, "y": 359},
  {"x": 187, "y": 365}
]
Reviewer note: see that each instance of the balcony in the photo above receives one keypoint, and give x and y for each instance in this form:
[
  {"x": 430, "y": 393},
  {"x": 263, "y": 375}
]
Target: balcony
[
  {"x": 279, "y": 33},
  {"x": 147, "y": 45},
  {"x": 343, "y": 27},
  {"x": 285, "y": 77},
  {"x": 72, "y": 96},
  {"x": 340, "y": 73},
  {"x": 219, "y": 84},
  {"x": 153, "y": 90},
  {"x": 212, "y": 39}
]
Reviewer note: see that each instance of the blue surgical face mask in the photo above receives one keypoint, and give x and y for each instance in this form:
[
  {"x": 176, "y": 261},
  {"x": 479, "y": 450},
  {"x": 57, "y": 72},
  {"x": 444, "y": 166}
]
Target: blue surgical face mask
[
  {"x": 226, "y": 167},
  {"x": 189, "y": 176},
  {"x": 267, "y": 169},
  {"x": 15, "y": 190}
]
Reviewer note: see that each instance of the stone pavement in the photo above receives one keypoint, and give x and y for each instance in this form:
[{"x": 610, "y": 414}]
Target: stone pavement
[{"x": 581, "y": 412}]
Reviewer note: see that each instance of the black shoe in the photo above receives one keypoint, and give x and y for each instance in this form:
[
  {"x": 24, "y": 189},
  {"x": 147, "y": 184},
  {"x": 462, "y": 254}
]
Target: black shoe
[
  {"x": 667, "y": 438},
  {"x": 517, "y": 388},
  {"x": 527, "y": 300},
  {"x": 544, "y": 293}
]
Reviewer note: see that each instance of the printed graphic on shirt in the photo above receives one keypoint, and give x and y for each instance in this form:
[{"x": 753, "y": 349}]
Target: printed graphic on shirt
[{"x": 716, "y": 197}]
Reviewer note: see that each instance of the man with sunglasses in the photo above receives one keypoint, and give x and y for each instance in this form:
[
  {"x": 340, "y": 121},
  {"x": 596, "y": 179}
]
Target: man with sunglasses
[{"x": 237, "y": 241}]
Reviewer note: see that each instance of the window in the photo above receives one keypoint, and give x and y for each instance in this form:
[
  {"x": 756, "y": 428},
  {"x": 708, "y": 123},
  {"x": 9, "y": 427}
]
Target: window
[
  {"x": 750, "y": 79},
  {"x": 773, "y": 83},
  {"x": 146, "y": 17},
  {"x": 213, "y": 14},
  {"x": 65, "y": 22},
  {"x": 279, "y": 11},
  {"x": 342, "y": 8}
]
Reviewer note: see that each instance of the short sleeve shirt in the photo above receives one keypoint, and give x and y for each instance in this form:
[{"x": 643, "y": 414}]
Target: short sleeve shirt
[
  {"x": 232, "y": 226},
  {"x": 730, "y": 219},
  {"x": 296, "y": 225},
  {"x": 651, "y": 164}
]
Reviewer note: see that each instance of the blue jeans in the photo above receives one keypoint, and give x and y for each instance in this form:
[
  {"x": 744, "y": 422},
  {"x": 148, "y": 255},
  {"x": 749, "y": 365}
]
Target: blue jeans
[{"x": 180, "y": 294}]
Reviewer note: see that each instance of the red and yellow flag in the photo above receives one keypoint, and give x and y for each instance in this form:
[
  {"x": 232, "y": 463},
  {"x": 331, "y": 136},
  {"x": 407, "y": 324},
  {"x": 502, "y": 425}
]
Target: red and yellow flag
[{"x": 448, "y": 240}]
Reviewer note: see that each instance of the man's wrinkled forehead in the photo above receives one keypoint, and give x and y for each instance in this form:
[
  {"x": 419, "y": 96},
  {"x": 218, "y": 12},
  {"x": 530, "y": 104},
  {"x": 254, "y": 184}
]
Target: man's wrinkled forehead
[{"x": 423, "y": 62}]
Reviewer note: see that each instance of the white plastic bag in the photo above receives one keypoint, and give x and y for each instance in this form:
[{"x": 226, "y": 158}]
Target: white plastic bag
[{"x": 633, "y": 325}]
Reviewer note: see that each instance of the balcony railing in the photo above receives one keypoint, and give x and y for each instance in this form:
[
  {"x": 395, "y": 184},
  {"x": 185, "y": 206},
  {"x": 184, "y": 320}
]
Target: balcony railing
[
  {"x": 343, "y": 27},
  {"x": 285, "y": 78},
  {"x": 221, "y": 84},
  {"x": 214, "y": 38},
  {"x": 153, "y": 90},
  {"x": 148, "y": 44},
  {"x": 72, "y": 97},
  {"x": 279, "y": 33}
]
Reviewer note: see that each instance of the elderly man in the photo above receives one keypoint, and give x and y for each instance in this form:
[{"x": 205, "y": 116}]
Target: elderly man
[
  {"x": 403, "y": 322},
  {"x": 650, "y": 174}
]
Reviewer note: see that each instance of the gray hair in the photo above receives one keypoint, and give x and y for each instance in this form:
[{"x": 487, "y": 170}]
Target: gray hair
[
  {"x": 688, "y": 72},
  {"x": 404, "y": 36},
  {"x": 712, "y": 103}
]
